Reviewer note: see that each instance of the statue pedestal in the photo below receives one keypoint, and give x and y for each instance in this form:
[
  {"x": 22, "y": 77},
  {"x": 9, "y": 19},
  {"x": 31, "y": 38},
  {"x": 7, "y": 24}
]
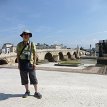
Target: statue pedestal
[{"x": 102, "y": 60}]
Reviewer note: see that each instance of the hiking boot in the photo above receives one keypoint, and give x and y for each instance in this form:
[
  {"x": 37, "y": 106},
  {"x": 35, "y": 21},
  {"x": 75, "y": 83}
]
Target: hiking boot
[
  {"x": 37, "y": 95},
  {"x": 26, "y": 94}
]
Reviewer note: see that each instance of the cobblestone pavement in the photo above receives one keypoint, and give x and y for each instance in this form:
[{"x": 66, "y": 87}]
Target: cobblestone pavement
[{"x": 59, "y": 89}]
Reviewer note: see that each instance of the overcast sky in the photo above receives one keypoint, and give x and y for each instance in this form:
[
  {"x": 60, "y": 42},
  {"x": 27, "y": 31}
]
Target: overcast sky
[{"x": 68, "y": 22}]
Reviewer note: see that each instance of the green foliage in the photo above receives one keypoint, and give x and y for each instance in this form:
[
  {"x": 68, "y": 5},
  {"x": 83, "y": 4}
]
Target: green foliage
[{"x": 70, "y": 62}]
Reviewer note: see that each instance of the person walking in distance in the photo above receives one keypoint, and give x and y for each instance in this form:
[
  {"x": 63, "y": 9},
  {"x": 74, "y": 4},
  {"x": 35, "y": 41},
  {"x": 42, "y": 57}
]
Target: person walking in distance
[{"x": 26, "y": 58}]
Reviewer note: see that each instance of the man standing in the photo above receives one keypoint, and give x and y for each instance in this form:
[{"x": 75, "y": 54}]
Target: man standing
[{"x": 26, "y": 57}]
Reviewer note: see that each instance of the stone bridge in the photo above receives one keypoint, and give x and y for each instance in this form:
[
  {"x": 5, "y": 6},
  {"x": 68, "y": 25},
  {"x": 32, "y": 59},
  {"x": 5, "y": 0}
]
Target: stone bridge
[{"x": 52, "y": 55}]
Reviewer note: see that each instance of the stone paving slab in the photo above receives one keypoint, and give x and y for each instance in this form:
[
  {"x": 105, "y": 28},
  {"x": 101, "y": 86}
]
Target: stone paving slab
[{"x": 59, "y": 89}]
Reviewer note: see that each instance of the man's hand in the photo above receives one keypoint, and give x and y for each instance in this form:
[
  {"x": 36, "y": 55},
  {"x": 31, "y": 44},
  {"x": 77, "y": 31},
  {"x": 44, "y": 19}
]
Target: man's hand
[
  {"x": 34, "y": 66},
  {"x": 18, "y": 66}
]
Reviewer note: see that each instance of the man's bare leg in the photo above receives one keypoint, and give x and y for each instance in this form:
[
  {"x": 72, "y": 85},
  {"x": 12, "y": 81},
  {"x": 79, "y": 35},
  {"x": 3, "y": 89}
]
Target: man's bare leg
[
  {"x": 36, "y": 94},
  {"x": 27, "y": 87},
  {"x": 27, "y": 93},
  {"x": 35, "y": 87}
]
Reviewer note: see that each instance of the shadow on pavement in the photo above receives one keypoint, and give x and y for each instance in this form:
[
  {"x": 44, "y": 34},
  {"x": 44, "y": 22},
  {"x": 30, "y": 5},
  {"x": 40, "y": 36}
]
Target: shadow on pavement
[{"x": 4, "y": 96}]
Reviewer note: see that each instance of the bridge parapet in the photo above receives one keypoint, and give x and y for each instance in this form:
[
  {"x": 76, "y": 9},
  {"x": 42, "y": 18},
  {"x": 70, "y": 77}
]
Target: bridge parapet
[
  {"x": 54, "y": 50},
  {"x": 7, "y": 55},
  {"x": 51, "y": 54}
]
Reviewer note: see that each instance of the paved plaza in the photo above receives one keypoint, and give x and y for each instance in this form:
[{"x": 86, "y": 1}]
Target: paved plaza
[{"x": 59, "y": 89}]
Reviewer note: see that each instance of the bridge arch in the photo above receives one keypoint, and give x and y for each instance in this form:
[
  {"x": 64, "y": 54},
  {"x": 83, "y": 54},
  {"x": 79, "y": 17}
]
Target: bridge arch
[
  {"x": 16, "y": 60},
  {"x": 49, "y": 57},
  {"x": 61, "y": 56},
  {"x": 75, "y": 54},
  {"x": 3, "y": 61},
  {"x": 69, "y": 55}
]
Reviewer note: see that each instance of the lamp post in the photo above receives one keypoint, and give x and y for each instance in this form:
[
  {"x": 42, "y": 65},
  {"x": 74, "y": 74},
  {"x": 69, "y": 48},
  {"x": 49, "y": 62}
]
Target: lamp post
[{"x": 90, "y": 49}]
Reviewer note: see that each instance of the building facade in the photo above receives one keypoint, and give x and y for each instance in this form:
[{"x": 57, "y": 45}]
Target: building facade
[{"x": 8, "y": 48}]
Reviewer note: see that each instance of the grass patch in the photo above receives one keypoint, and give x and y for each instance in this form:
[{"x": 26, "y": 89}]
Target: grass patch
[{"x": 70, "y": 62}]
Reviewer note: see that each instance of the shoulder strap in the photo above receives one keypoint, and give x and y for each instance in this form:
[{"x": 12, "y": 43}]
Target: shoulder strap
[{"x": 23, "y": 49}]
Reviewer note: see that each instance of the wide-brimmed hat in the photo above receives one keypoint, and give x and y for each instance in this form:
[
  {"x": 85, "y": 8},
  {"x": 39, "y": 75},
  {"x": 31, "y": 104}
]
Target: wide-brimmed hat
[{"x": 26, "y": 32}]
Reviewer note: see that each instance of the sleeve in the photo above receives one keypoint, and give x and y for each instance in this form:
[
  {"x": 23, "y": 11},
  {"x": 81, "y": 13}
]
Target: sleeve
[
  {"x": 17, "y": 51},
  {"x": 34, "y": 53},
  {"x": 34, "y": 47},
  {"x": 17, "y": 48}
]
